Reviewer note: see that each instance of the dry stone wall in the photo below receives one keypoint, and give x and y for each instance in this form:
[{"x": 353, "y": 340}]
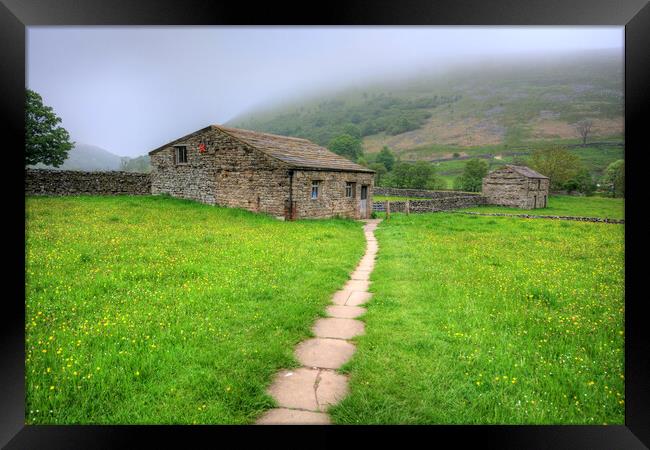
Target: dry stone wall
[
  {"x": 71, "y": 182},
  {"x": 398, "y": 192},
  {"x": 438, "y": 204},
  {"x": 536, "y": 216}
]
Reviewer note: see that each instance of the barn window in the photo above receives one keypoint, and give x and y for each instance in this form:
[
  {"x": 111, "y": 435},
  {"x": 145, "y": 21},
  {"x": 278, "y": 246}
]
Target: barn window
[
  {"x": 181, "y": 154},
  {"x": 314, "y": 189},
  {"x": 350, "y": 189}
]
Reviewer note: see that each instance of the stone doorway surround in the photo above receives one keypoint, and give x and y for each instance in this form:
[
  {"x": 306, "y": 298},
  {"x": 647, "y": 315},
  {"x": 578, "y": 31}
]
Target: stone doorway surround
[{"x": 304, "y": 394}]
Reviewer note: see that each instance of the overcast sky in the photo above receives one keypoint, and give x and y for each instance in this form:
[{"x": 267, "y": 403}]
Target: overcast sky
[{"x": 132, "y": 89}]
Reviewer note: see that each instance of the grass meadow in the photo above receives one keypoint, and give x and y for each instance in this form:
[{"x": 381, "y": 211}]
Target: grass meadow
[
  {"x": 567, "y": 205},
  {"x": 152, "y": 310},
  {"x": 491, "y": 320}
]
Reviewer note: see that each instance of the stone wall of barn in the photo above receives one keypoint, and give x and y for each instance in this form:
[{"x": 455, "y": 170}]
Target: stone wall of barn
[
  {"x": 332, "y": 200},
  {"x": 194, "y": 180},
  {"x": 228, "y": 173},
  {"x": 537, "y": 195},
  {"x": 506, "y": 187},
  {"x": 72, "y": 182}
]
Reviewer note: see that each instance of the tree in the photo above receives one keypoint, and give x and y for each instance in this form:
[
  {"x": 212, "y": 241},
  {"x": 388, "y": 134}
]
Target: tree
[
  {"x": 582, "y": 182},
  {"x": 124, "y": 163},
  {"x": 352, "y": 130},
  {"x": 44, "y": 141},
  {"x": 557, "y": 163},
  {"x": 346, "y": 145},
  {"x": 615, "y": 178},
  {"x": 419, "y": 175},
  {"x": 584, "y": 128},
  {"x": 473, "y": 173},
  {"x": 386, "y": 157},
  {"x": 380, "y": 171}
]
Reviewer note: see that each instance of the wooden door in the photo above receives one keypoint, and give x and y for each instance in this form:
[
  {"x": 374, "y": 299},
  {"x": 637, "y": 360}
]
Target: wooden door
[{"x": 364, "y": 202}]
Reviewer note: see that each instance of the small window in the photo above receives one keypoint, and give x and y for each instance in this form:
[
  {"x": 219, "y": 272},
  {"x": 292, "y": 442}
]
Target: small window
[
  {"x": 350, "y": 189},
  {"x": 539, "y": 184},
  {"x": 314, "y": 189},
  {"x": 181, "y": 154}
]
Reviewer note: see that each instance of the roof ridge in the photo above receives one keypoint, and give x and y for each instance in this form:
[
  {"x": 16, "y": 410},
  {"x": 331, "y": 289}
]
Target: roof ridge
[
  {"x": 295, "y": 152},
  {"x": 222, "y": 127},
  {"x": 525, "y": 171},
  {"x": 236, "y": 133}
]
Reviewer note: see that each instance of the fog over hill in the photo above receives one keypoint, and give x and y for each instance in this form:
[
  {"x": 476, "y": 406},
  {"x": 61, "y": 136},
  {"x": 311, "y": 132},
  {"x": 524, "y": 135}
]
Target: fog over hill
[
  {"x": 132, "y": 89},
  {"x": 475, "y": 103},
  {"x": 92, "y": 158}
]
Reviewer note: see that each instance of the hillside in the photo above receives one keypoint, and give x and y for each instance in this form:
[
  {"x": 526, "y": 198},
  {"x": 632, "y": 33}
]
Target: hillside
[
  {"x": 501, "y": 108},
  {"x": 87, "y": 157},
  {"x": 93, "y": 158}
]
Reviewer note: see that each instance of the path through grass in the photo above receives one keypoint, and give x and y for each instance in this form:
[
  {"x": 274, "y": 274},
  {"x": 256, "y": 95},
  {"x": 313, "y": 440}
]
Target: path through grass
[{"x": 143, "y": 310}]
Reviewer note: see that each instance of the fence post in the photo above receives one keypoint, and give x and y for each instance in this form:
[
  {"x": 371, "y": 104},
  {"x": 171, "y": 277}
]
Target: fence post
[
  {"x": 408, "y": 207},
  {"x": 387, "y": 210}
]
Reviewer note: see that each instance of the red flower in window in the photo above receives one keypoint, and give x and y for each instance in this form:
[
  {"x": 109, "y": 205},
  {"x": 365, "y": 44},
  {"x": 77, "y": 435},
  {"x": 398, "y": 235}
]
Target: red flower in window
[{"x": 202, "y": 148}]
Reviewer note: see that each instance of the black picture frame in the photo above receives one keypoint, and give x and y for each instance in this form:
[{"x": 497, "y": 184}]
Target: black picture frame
[{"x": 15, "y": 15}]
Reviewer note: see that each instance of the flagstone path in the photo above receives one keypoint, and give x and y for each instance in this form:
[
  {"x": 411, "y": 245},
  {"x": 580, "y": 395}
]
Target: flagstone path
[{"x": 305, "y": 394}]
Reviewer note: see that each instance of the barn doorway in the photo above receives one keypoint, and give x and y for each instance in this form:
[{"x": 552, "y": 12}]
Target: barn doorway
[{"x": 364, "y": 202}]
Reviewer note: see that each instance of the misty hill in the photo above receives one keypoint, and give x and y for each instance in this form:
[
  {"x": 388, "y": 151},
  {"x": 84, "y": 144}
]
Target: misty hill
[
  {"x": 499, "y": 104},
  {"x": 88, "y": 157},
  {"x": 93, "y": 158},
  {"x": 138, "y": 164}
]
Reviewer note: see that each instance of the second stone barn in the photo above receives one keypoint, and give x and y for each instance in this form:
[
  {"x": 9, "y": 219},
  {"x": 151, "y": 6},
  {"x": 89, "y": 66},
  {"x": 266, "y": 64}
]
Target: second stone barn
[
  {"x": 289, "y": 178},
  {"x": 517, "y": 186}
]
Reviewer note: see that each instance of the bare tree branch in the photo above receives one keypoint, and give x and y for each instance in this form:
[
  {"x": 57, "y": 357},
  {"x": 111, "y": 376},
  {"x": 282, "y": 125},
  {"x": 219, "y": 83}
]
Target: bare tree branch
[{"x": 584, "y": 128}]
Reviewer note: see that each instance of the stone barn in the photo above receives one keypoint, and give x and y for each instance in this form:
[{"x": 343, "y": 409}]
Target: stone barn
[
  {"x": 517, "y": 186},
  {"x": 287, "y": 177}
]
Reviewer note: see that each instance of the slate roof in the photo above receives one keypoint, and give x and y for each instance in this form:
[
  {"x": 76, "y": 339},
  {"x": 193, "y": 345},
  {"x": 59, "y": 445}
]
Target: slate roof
[
  {"x": 297, "y": 152},
  {"x": 526, "y": 171}
]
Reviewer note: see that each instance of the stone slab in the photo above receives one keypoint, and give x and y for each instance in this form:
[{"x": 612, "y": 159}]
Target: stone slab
[
  {"x": 324, "y": 353},
  {"x": 367, "y": 260},
  {"x": 295, "y": 389},
  {"x": 340, "y": 297},
  {"x": 357, "y": 285},
  {"x": 284, "y": 416},
  {"x": 360, "y": 275},
  {"x": 338, "y": 328},
  {"x": 345, "y": 312},
  {"x": 332, "y": 388},
  {"x": 358, "y": 298}
]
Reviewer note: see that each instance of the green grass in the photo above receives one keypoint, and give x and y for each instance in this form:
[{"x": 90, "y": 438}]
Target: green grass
[
  {"x": 566, "y": 205},
  {"x": 491, "y": 320},
  {"x": 150, "y": 310}
]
